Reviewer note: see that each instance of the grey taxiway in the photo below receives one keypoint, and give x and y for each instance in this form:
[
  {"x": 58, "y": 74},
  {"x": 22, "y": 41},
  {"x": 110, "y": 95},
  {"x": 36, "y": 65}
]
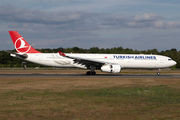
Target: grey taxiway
[{"x": 98, "y": 75}]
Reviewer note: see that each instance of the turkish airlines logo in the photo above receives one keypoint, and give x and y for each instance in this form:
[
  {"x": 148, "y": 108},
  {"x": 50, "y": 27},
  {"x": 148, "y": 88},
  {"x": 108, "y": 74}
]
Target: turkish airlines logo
[{"x": 21, "y": 46}]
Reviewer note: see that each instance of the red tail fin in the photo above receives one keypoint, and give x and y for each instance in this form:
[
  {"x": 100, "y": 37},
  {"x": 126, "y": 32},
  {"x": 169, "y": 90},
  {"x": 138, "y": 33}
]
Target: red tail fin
[{"x": 20, "y": 43}]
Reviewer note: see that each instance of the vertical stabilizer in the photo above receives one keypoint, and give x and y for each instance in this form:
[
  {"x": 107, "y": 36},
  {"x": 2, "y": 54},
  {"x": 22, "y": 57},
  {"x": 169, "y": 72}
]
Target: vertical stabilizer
[{"x": 20, "y": 43}]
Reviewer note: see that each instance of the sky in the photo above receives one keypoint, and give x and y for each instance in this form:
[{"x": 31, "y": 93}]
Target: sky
[{"x": 138, "y": 25}]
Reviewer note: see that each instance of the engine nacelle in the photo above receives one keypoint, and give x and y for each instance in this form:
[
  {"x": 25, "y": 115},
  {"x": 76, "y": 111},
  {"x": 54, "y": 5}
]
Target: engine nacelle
[{"x": 111, "y": 68}]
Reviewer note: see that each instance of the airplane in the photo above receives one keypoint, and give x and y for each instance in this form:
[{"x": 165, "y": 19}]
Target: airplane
[{"x": 110, "y": 63}]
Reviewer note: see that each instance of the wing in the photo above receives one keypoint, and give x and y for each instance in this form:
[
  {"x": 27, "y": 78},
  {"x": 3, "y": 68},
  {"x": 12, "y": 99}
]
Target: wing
[{"x": 84, "y": 61}]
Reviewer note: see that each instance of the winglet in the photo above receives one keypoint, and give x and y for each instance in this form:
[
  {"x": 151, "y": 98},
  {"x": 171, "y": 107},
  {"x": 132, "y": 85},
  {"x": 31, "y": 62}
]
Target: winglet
[{"x": 61, "y": 53}]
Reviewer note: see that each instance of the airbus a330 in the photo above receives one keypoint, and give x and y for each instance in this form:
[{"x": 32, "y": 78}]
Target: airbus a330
[{"x": 111, "y": 63}]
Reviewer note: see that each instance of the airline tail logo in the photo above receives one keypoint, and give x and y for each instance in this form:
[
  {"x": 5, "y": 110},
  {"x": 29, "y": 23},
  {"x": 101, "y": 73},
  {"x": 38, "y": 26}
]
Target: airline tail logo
[{"x": 21, "y": 45}]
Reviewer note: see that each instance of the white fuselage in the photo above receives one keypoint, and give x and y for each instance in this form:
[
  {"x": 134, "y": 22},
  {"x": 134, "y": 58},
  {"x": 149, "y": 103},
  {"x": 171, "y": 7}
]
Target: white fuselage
[{"x": 124, "y": 60}]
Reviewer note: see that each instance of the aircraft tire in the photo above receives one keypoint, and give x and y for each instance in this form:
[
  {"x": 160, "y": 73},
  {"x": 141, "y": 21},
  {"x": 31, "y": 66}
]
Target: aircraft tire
[
  {"x": 158, "y": 73},
  {"x": 93, "y": 73},
  {"x": 90, "y": 73}
]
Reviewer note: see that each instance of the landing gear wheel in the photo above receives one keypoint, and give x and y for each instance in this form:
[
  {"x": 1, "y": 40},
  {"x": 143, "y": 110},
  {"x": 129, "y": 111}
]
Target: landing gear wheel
[
  {"x": 93, "y": 73},
  {"x": 90, "y": 73},
  {"x": 158, "y": 73}
]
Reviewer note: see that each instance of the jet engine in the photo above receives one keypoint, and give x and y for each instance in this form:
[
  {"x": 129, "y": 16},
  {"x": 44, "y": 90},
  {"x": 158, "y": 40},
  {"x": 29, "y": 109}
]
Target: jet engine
[{"x": 111, "y": 68}]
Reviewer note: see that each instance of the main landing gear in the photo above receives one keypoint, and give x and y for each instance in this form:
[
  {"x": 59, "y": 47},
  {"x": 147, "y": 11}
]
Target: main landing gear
[{"x": 90, "y": 73}]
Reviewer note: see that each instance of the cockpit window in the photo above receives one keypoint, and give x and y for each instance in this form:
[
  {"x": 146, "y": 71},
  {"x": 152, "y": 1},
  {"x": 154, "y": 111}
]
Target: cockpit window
[{"x": 169, "y": 59}]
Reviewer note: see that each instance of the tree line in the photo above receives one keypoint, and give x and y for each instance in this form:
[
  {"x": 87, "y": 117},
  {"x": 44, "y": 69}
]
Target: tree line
[{"x": 7, "y": 61}]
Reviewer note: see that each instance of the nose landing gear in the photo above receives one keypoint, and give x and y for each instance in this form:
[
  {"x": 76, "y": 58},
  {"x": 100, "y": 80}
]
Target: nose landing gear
[{"x": 158, "y": 73}]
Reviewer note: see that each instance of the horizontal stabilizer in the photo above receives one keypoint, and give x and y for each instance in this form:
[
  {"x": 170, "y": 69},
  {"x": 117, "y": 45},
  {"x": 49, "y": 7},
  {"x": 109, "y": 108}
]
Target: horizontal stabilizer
[{"x": 21, "y": 56}]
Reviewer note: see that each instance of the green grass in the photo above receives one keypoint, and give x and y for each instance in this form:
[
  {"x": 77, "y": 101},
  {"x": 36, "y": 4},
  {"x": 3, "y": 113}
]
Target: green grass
[
  {"x": 120, "y": 102},
  {"x": 160, "y": 94}
]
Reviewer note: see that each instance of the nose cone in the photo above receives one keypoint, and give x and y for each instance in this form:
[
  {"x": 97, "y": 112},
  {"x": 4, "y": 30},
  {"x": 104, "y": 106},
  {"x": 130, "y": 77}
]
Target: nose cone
[{"x": 174, "y": 63}]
